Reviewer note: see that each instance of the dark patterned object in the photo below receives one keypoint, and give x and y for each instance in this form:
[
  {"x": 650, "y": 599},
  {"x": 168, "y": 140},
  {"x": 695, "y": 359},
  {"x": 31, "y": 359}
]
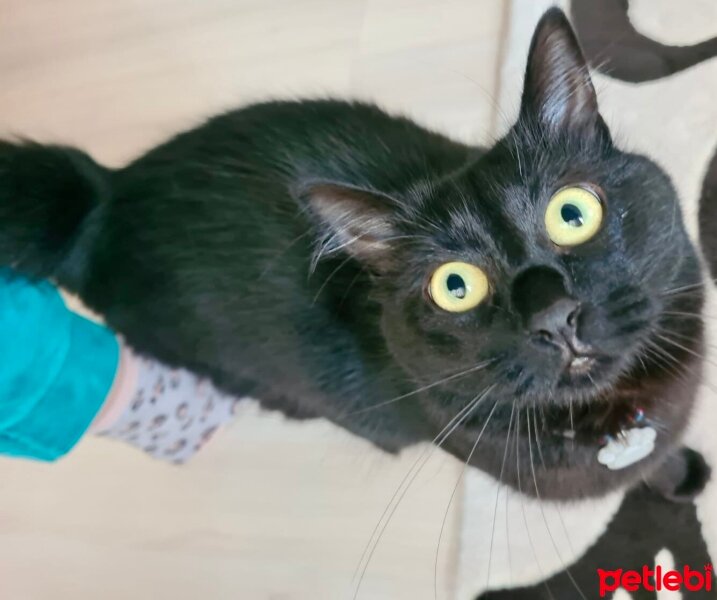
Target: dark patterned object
[
  {"x": 613, "y": 46},
  {"x": 645, "y": 524}
]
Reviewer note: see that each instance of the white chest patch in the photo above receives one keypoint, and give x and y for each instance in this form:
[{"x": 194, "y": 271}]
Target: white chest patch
[{"x": 631, "y": 446}]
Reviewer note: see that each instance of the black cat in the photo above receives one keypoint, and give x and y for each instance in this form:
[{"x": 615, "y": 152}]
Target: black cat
[{"x": 334, "y": 261}]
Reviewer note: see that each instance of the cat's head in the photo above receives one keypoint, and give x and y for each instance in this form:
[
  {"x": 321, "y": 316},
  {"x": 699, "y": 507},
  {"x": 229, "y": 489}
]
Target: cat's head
[{"x": 548, "y": 266}]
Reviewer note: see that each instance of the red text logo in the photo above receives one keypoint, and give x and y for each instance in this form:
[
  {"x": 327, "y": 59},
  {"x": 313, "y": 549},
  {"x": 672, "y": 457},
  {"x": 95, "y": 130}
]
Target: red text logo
[{"x": 688, "y": 579}]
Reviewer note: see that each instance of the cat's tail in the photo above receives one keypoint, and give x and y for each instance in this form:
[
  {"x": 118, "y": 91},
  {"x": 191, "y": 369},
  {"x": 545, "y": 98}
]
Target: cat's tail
[{"x": 50, "y": 197}]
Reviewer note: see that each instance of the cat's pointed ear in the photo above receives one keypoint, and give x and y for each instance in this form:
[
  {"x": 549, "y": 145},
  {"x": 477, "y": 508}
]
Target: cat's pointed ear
[
  {"x": 558, "y": 91},
  {"x": 349, "y": 219}
]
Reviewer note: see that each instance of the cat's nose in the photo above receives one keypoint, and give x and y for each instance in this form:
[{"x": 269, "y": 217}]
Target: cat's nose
[
  {"x": 548, "y": 310},
  {"x": 556, "y": 323}
]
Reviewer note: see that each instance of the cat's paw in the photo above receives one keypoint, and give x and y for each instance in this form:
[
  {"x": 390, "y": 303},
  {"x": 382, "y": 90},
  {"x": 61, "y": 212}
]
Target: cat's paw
[{"x": 682, "y": 476}]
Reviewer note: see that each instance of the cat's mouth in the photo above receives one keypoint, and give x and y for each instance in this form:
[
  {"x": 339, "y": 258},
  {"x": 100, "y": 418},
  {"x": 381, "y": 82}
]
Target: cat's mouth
[
  {"x": 581, "y": 364},
  {"x": 579, "y": 358},
  {"x": 585, "y": 372}
]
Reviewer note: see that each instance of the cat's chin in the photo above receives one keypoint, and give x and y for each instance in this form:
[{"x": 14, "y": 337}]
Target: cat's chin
[
  {"x": 584, "y": 380},
  {"x": 575, "y": 377}
]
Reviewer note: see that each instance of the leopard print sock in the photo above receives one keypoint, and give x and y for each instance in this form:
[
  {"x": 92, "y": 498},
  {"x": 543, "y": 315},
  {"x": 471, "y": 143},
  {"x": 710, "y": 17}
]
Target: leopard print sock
[{"x": 173, "y": 413}]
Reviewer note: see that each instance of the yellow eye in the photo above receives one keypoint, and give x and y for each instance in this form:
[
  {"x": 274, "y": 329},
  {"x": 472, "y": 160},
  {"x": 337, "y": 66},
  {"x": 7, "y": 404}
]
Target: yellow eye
[
  {"x": 458, "y": 286},
  {"x": 573, "y": 216}
]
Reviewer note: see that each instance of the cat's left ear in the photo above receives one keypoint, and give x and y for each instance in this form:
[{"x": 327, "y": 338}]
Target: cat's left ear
[
  {"x": 354, "y": 220},
  {"x": 558, "y": 91}
]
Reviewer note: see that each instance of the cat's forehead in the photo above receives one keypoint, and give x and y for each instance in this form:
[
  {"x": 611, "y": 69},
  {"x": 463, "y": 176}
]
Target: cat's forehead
[
  {"x": 494, "y": 209},
  {"x": 471, "y": 217},
  {"x": 475, "y": 203}
]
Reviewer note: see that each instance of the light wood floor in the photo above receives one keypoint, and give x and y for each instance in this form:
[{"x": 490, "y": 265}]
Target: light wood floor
[{"x": 270, "y": 510}]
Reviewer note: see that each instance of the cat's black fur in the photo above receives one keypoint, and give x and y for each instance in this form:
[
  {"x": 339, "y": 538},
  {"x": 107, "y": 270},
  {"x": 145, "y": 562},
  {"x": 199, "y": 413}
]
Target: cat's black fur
[{"x": 284, "y": 250}]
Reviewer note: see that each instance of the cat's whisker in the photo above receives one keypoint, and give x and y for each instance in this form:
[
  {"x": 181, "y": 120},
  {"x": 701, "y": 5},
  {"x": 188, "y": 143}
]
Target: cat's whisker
[
  {"x": 542, "y": 413},
  {"x": 682, "y": 376},
  {"x": 522, "y": 502},
  {"x": 537, "y": 437},
  {"x": 678, "y": 313},
  {"x": 542, "y": 511},
  {"x": 327, "y": 248},
  {"x": 703, "y": 381},
  {"x": 350, "y": 285},
  {"x": 706, "y": 384},
  {"x": 658, "y": 352},
  {"x": 497, "y": 493},
  {"x": 655, "y": 347},
  {"x": 342, "y": 264},
  {"x": 684, "y": 288},
  {"x": 655, "y": 352},
  {"x": 407, "y": 482},
  {"x": 516, "y": 154},
  {"x": 507, "y": 535},
  {"x": 658, "y": 262},
  {"x": 542, "y": 460},
  {"x": 595, "y": 385},
  {"x": 461, "y": 194},
  {"x": 288, "y": 247},
  {"x": 682, "y": 335},
  {"x": 475, "y": 368},
  {"x": 642, "y": 362},
  {"x": 686, "y": 349},
  {"x": 453, "y": 493},
  {"x": 488, "y": 95},
  {"x": 675, "y": 211}
]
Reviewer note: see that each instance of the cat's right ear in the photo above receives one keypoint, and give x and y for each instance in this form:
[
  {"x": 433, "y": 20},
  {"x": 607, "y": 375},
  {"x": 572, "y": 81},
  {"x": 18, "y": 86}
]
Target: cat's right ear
[
  {"x": 558, "y": 92},
  {"x": 352, "y": 220}
]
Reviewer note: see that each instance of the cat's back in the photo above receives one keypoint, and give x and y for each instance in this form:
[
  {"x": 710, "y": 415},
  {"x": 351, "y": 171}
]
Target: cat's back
[
  {"x": 230, "y": 185},
  {"x": 207, "y": 227},
  {"x": 311, "y": 138}
]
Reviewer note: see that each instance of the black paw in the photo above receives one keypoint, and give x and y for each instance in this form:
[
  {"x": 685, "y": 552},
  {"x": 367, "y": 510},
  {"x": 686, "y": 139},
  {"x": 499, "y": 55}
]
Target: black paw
[{"x": 682, "y": 476}]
